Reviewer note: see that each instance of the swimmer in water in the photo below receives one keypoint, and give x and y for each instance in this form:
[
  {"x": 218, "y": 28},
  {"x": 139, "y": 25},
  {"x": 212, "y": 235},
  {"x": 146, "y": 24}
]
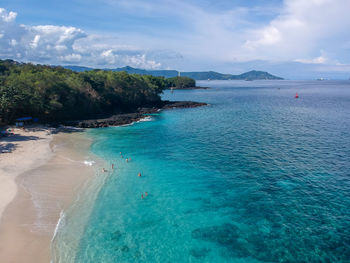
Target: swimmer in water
[
  {"x": 141, "y": 196},
  {"x": 112, "y": 166},
  {"x": 104, "y": 170},
  {"x": 146, "y": 193},
  {"x": 127, "y": 160},
  {"x": 139, "y": 175}
]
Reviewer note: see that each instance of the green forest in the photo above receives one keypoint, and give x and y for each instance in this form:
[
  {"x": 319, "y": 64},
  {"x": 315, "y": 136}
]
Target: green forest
[
  {"x": 54, "y": 93},
  {"x": 181, "y": 82}
]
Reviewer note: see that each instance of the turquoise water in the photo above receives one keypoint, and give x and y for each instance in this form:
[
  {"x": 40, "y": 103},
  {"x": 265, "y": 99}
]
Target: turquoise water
[{"x": 257, "y": 176}]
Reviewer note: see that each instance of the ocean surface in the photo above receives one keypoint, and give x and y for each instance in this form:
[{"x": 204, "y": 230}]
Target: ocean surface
[{"x": 256, "y": 176}]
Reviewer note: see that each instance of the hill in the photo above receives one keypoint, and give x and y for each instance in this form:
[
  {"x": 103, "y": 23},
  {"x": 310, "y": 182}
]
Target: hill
[
  {"x": 54, "y": 93},
  {"x": 204, "y": 75}
]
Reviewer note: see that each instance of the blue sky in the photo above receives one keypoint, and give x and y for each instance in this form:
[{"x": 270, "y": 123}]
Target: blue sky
[{"x": 291, "y": 38}]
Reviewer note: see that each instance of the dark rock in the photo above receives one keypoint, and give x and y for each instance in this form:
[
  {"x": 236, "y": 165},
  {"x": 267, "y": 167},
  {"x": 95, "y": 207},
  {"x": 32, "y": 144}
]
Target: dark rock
[
  {"x": 127, "y": 118},
  {"x": 199, "y": 252},
  {"x": 125, "y": 248},
  {"x": 225, "y": 234},
  {"x": 182, "y": 104},
  {"x": 116, "y": 236}
]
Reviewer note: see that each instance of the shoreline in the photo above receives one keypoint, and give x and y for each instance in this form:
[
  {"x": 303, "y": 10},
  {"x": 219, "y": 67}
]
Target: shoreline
[
  {"x": 36, "y": 194},
  {"x": 40, "y": 192},
  {"x": 33, "y": 143},
  {"x": 128, "y": 118},
  {"x": 188, "y": 88}
]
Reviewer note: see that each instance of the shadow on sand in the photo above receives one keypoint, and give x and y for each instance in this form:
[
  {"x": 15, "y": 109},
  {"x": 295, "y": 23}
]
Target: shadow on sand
[{"x": 7, "y": 147}]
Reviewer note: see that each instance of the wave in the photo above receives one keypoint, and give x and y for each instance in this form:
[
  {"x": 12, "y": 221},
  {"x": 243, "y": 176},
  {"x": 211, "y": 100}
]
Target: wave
[
  {"x": 145, "y": 119},
  {"x": 60, "y": 223},
  {"x": 89, "y": 163},
  {"x": 148, "y": 118}
]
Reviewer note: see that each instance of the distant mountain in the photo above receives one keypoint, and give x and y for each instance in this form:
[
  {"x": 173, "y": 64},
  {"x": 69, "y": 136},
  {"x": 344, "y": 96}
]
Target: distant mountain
[
  {"x": 251, "y": 75},
  {"x": 78, "y": 68},
  {"x": 157, "y": 73},
  {"x": 212, "y": 75}
]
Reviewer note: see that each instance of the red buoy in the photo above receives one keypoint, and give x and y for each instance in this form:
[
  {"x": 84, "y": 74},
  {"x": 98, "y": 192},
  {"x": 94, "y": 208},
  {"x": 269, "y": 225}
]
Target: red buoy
[{"x": 296, "y": 96}]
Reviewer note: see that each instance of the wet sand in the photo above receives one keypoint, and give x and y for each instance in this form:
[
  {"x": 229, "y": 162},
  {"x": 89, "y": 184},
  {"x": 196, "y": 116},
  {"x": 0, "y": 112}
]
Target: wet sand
[{"x": 29, "y": 221}]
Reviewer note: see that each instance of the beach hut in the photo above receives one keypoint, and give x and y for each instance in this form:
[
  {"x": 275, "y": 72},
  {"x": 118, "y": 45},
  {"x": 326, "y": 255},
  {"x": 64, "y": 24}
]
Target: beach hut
[{"x": 24, "y": 120}]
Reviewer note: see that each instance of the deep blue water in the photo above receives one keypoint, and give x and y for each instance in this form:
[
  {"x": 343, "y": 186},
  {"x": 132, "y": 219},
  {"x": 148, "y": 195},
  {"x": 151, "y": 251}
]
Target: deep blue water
[{"x": 257, "y": 176}]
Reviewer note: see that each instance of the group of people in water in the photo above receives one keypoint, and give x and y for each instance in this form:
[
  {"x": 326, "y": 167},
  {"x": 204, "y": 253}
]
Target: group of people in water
[{"x": 139, "y": 174}]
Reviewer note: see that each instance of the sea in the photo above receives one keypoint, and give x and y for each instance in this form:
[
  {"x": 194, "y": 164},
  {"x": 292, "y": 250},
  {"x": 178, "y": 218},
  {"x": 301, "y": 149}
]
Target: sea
[{"x": 256, "y": 176}]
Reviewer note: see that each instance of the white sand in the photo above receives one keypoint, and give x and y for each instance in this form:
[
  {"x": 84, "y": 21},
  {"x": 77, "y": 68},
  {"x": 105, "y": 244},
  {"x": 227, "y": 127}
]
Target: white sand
[
  {"x": 39, "y": 179},
  {"x": 28, "y": 149}
]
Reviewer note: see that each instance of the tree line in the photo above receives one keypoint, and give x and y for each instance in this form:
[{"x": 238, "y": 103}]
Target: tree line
[{"x": 54, "y": 93}]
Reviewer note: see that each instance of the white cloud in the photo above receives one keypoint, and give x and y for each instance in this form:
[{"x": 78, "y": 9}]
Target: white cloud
[
  {"x": 267, "y": 36},
  {"x": 58, "y": 47},
  {"x": 301, "y": 28},
  {"x": 71, "y": 58},
  {"x": 7, "y": 17},
  {"x": 193, "y": 36},
  {"x": 52, "y": 44},
  {"x": 140, "y": 61},
  {"x": 13, "y": 42},
  {"x": 108, "y": 56},
  {"x": 35, "y": 42},
  {"x": 295, "y": 31},
  {"x": 318, "y": 60}
]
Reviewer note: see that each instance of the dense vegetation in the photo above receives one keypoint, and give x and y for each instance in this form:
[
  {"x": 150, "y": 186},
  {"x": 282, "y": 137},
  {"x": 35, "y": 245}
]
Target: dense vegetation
[
  {"x": 181, "y": 82},
  {"x": 55, "y": 93}
]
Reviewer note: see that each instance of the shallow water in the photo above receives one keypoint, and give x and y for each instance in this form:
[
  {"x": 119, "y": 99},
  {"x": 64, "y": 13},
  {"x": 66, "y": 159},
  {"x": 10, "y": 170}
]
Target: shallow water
[{"x": 257, "y": 176}]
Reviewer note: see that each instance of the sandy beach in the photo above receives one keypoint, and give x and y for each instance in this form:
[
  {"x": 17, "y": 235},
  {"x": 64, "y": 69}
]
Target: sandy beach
[{"x": 40, "y": 175}]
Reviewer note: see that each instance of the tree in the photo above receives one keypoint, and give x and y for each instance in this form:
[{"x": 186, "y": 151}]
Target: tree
[{"x": 181, "y": 82}]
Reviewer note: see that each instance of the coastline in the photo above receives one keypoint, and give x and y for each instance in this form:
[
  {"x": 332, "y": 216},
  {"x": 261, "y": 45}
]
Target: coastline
[
  {"x": 23, "y": 151},
  {"x": 49, "y": 175},
  {"x": 128, "y": 118},
  {"x": 188, "y": 88}
]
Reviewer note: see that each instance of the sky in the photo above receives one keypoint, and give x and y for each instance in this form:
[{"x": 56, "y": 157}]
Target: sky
[{"x": 296, "y": 39}]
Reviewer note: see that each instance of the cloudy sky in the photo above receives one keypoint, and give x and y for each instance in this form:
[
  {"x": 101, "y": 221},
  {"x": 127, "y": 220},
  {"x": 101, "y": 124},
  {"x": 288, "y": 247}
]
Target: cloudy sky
[{"x": 290, "y": 38}]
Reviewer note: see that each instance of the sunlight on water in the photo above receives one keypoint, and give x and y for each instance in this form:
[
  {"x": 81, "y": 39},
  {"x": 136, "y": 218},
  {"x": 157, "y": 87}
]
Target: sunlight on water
[{"x": 257, "y": 176}]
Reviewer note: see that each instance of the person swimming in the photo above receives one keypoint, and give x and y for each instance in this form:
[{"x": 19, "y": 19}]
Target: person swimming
[
  {"x": 112, "y": 166},
  {"x": 139, "y": 175},
  {"x": 146, "y": 193}
]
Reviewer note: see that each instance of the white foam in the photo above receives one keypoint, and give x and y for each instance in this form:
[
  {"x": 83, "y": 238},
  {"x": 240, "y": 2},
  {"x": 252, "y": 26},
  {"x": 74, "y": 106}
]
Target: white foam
[
  {"x": 60, "y": 223},
  {"x": 89, "y": 163},
  {"x": 72, "y": 128},
  {"x": 148, "y": 118},
  {"x": 71, "y": 225}
]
